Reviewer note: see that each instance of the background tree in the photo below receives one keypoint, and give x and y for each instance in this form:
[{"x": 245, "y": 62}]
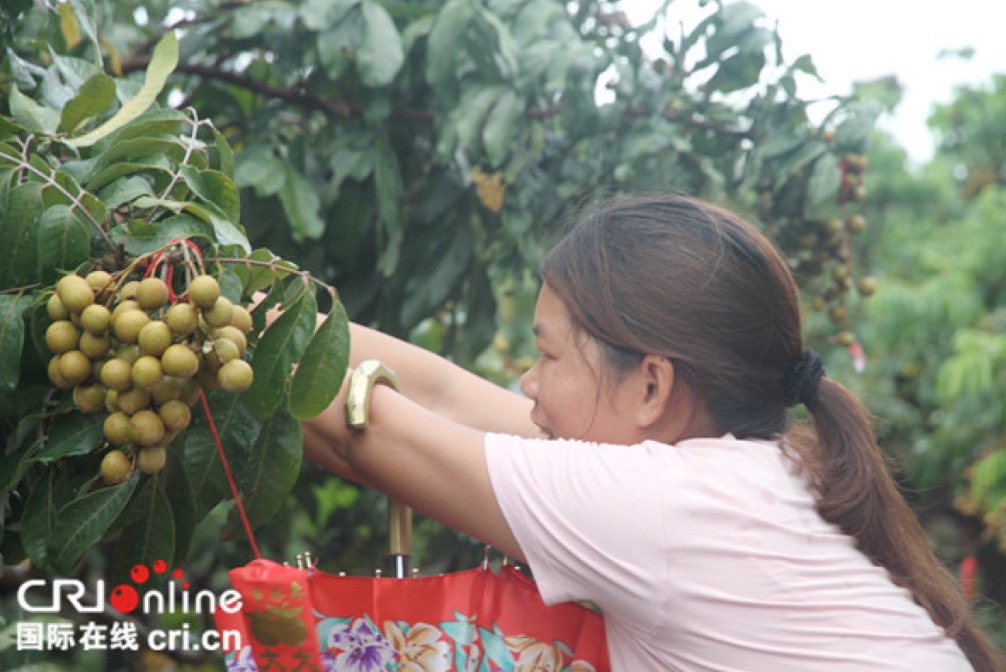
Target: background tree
[{"x": 416, "y": 156}]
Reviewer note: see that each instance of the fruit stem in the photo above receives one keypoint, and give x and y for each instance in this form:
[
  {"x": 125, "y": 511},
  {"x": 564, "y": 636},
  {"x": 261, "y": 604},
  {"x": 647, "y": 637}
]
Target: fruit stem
[{"x": 273, "y": 265}]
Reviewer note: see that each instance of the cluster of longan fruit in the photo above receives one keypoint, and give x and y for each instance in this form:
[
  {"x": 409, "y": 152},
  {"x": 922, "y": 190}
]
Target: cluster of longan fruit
[{"x": 139, "y": 356}]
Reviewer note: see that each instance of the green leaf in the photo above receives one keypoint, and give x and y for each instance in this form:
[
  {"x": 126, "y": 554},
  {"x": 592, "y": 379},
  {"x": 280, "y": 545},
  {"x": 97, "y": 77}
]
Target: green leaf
[
  {"x": 87, "y": 15},
  {"x": 825, "y": 181},
  {"x": 279, "y": 348},
  {"x": 38, "y": 519},
  {"x": 82, "y": 523},
  {"x": 322, "y": 369},
  {"x": 269, "y": 467},
  {"x": 498, "y": 134},
  {"x": 236, "y": 426},
  {"x": 31, "y": 115},
  {"x": 442, "y": 45},
  {"x": 804, "y": 154},
  {"x": 97, "y": 94},
  {"x": 380, "y": 55},
  {"x": 73, "y": 434},
  {"x": 19, "y": 236},
  {"x": 214, "y": 187},
  {"x": 259, "y": 167},
  {"x": 162, "y": 63},
  {"x": 854, "y": 133},
  {"x": 124, "y": 191},
  {"x": 64, "y": 241},
  {"x": 138, "y": 237},
  {"x": 301, "y": 204},
  {"x": 225, "y": 155},
  {"x": 388, "y": 184},
  {"x": 148, "y": 530},
  {"x": 175, "y": 483},
  {"x": 11, "y": 341}
]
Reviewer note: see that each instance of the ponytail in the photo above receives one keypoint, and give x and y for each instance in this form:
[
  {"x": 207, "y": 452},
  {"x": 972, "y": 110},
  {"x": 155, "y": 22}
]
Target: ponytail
[{"x": 857, "y": 494}]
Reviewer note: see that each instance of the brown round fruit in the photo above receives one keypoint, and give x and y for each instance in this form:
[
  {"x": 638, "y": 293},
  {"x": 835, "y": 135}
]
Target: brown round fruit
[
  {"x": 147, "y": 371},
  {"x": 116, "y": 374},
  {"x": 99, "y": 281},
  {"x": 226, "y": 350},
  {"x": 55, "y": 376},
  {"x": 55, "y": 309},
  {"x": 168, "y": 389},
  {"x": 236, "y": 376},
  {"x": 189, "y": 391},
  {"x": 146, "y": 428},
  {"x": 204, "y": 290},
  {"x": 89, "y": 398},
  {"x": 128, "y": 353},
  {"x": 219, "y": 314},
  {"x": 175, "y": 414},
  {"x": 75, "y": 367},
  {"x": 115, "y": 467},
  {"x": 152, "y": 293},
  {"x": 116, "y": 428},
  {"x": 133, "y": 400},
  {"x": 74, "y": 293},
  {"x": 179, "y": 361},
  {"x": 182, "y": 319},
  {"x": 241, "y": 318},
  {"x": 61, "y": 337},
  {"x": 232, "y": 334},
  {"x": 95, "y": 347},
  {"x": 128, "y": 324},
  {"x": 123, "y": 306},
  {"x": 96, "y": 319},
  {"x": 128, "y": 290},
  {"x": 152, "y": 459},
  {"x": 154, "y": 338},
  {"x": 867, "y": 286}
]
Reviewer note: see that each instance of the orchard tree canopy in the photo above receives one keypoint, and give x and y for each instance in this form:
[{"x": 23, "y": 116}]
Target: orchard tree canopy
[{"x": 417, "y": 157}]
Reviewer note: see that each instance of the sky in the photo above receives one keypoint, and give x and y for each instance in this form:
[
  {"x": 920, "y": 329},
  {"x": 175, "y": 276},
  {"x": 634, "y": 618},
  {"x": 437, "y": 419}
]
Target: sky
[{"x": 857, "y": 40}]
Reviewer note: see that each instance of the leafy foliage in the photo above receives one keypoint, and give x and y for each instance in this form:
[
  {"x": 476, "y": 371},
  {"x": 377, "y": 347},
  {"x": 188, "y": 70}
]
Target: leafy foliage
[{"x": 94, "y": 174}]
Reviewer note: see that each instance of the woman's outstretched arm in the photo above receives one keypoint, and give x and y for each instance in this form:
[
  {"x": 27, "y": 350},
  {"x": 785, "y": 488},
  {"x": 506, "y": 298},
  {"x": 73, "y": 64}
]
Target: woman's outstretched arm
[{"x": 431, "y": 463}]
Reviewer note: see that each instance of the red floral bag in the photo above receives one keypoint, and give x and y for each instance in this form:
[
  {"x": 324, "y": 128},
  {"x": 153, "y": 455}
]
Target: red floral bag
[{"x": 477, "y": 620}]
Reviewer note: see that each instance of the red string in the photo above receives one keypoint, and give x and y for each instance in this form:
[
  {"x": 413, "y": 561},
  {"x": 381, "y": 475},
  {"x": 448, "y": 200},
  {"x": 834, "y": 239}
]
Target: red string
[{"x": 230, "y": 476}]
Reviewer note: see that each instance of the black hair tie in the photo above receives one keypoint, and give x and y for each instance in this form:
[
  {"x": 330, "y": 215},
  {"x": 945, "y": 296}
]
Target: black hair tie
[{"x": 801, "y": 385}]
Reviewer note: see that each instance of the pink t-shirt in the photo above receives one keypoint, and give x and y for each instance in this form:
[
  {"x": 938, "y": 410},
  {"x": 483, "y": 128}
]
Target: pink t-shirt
[{"x": 706, "y": 555}]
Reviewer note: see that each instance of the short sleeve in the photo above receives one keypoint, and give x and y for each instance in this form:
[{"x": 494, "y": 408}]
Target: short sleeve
[{"x": 584, "y": 536}]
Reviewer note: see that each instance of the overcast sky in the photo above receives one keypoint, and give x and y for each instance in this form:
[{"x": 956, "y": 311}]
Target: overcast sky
[{"x": 855, "y": 40}]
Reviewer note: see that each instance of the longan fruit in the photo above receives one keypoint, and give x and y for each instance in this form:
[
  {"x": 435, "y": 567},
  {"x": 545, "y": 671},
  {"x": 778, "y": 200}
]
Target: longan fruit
[
  {"x": 89, "y": 398},
  {"x": 219, "y": 314},
  {"x": 128, "y": 291},
  {"x": 123, "y": 306},
  {"x": 96, "y": 319},
  {"x": 74, "y": 293},
  {"x": 115, "y": 467},
  {"x": 236, "y": 376},
  {"x": 55, "y": 309},
  {"x": 154, "y": 338},
  {"x": 128, "y": 324},
  {"x": 146, "y": 428},
  {"x": 55, "y": 376},
  {"x": 75, "y": 367},
  {"x": 62, "y": 336},
  {"x": 152, "y": 293},
  {"x": 99, "y": 281},
  {"x": 232, "y": 334},
  {"x": 175, "y": 414},
  {"x": 182, "y": 319},
  {"x": 147, "y": 371},
  {"x": 169, "y": 389},
  {"x": 116, "y": 374},
  {"x": 133, "y": 400},
  {"x": 241, "y": 318},
  {"x": 179, "y": 361},
  {"x": 204, "y": 290},
  {"x": 95, "y": 347},
  {"x": 151, "y": 460},
  {"x": 116, "y": 428}
]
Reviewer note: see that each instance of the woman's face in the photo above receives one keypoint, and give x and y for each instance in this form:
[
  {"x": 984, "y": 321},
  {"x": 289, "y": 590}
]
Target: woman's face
[{"x": 565, "y": 383}]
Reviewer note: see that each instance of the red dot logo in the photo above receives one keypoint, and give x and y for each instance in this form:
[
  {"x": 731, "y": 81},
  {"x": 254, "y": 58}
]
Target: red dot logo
[
  {"x": 124, "y": 599},
  {"x": 139, "y": 574},
  {"x": 160, "y": 566}
]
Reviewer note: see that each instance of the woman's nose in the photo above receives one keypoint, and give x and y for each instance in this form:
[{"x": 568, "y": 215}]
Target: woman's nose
[{"x": 529, "y": 382}]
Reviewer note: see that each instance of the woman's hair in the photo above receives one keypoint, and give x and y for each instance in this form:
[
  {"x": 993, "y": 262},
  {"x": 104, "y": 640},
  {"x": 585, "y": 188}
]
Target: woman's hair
[{"x": 679, "y": 277}]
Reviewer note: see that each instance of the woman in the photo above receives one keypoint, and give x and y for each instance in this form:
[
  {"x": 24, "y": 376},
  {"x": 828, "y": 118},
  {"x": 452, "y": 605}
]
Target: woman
[{"x": 651, "y": 467}]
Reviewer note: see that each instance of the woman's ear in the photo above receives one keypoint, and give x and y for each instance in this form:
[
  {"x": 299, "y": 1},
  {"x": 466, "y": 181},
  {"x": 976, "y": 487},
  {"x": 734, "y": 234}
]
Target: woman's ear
[{"x": 657, "y": 382}]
